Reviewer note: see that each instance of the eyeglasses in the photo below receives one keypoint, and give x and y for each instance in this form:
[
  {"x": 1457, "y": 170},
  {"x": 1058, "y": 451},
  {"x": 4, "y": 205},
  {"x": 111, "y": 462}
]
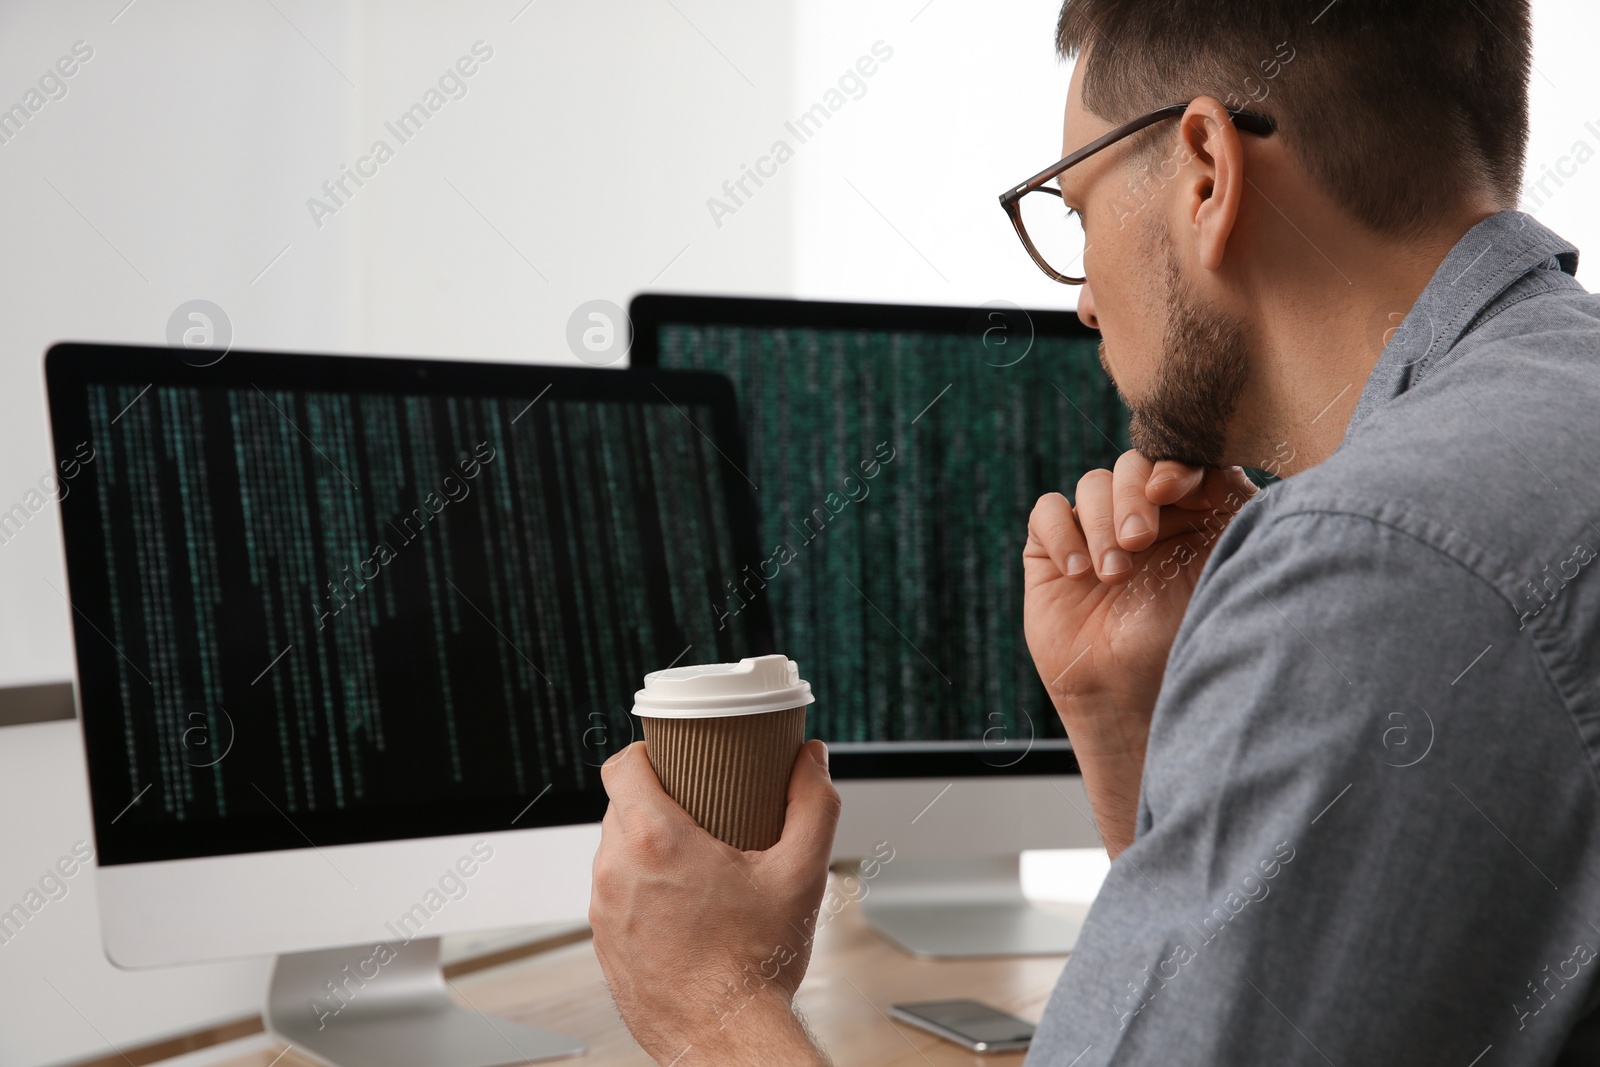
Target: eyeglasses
[{"x": 1036, "y": 208}]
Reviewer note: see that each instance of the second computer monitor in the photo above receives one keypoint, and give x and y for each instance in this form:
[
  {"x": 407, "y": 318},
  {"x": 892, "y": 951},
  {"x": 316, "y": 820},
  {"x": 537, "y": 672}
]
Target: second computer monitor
[{"x": 898, "y": 452}]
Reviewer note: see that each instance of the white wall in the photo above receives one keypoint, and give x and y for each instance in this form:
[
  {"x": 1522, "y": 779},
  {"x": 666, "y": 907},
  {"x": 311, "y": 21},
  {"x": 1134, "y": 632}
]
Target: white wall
[
  {"x": 899, "y": 192},
  {"x": 1565, "y": 140},
  {"x": 155, "y": 180},
  {"x": 577, "y": 167}
]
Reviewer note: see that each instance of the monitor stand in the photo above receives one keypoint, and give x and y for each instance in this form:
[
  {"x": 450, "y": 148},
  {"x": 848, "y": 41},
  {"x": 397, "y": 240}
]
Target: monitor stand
[
  {"x": 952, "y": 908},
  {"x": 388, "y": 1006}
]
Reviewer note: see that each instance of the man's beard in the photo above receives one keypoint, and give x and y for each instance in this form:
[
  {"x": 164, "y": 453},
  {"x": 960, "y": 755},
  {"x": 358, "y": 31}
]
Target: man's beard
[{"x": 1203, "y": 370}]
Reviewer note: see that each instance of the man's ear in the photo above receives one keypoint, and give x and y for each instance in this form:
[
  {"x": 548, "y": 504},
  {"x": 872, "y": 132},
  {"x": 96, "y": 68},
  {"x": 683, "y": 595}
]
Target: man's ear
[{"x": 1215, "y": 176}]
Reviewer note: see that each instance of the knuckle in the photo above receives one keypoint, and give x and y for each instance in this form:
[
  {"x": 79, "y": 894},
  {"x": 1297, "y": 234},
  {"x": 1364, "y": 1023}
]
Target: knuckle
[
  {"x": 1047, "y": 510},
  {"x": 831, "y": 803},
  {"x": 1093, "y": 480},
  {"x": 1131, "y": 482},
  {"x": 1051, "y": 518},
  {"x": 1131, "y": 463},
  {"x": 645, "y": 843},
  {"x": 603, "y": 872},
  {"x": 651, "y": 846}
]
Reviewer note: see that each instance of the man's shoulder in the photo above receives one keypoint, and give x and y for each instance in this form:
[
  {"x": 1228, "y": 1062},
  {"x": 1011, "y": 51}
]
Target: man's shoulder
[
  {"x": 1488, "y": 460},
  {"x": 1478, "y": 478}
]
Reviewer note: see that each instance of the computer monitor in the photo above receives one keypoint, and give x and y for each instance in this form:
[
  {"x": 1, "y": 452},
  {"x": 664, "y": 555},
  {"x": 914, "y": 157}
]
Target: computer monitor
[
  {"x": 353, "y": 636},
  {"x": 899, "y": 451}
]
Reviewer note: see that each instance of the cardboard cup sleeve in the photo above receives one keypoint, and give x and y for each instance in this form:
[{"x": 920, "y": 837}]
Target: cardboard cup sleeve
[{"x": 729, "y": 772}]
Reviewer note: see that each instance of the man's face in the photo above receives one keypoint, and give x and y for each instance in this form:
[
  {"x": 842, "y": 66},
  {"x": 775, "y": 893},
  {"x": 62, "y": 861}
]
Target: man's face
[{"x": 1179, "y": 362}]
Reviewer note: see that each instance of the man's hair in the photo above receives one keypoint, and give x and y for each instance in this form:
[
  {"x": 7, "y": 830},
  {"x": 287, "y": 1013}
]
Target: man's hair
[{"x": 1398, "y": 109}]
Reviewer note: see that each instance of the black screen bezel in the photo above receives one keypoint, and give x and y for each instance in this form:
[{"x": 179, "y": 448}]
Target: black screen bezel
[
  {"x": 648, "y": 312},
  {"x": 70, "y": 367}
]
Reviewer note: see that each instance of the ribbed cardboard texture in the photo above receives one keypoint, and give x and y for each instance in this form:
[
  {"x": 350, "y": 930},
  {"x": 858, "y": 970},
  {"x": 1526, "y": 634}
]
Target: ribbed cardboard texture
[{"x": 731, "y": 773}]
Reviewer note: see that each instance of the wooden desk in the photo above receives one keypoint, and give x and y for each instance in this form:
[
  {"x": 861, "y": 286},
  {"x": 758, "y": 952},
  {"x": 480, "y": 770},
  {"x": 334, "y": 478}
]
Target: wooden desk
[{"x": 854, "y": 976}]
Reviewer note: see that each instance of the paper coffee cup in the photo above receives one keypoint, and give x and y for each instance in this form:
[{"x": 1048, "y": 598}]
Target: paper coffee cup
[{"x": 723, "y": 738}]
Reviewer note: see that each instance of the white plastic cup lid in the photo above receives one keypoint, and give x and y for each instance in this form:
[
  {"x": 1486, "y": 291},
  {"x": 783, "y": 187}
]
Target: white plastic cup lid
[{"x": 711, "y": 690}]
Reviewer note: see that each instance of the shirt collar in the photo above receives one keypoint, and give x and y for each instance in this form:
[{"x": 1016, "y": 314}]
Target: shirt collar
[{"x": 1487, "y": 261}]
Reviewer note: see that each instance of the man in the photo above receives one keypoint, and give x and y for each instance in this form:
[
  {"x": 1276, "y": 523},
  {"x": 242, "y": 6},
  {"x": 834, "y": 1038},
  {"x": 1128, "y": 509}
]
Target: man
[{"x": 1341, "y": 734}]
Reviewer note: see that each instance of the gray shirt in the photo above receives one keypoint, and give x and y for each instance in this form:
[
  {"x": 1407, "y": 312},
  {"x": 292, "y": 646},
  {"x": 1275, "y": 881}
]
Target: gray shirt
[{"x": 1369, "y": 825}]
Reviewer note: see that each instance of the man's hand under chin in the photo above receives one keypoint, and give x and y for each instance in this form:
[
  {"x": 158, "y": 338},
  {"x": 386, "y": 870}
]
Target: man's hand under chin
[
  {"x": 1100, "y": 639},
  {"x": 703, "y": 945}
]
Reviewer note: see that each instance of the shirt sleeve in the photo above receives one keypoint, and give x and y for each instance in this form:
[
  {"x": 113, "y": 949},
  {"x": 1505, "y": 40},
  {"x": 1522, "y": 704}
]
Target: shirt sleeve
[{"x": 1367, "y": 828}]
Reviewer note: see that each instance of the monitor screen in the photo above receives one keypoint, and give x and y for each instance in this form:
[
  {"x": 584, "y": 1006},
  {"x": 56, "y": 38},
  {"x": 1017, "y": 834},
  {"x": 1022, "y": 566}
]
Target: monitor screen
[
  {"x": 320, "y": 600},
  {"x": 898, "y": 452}
]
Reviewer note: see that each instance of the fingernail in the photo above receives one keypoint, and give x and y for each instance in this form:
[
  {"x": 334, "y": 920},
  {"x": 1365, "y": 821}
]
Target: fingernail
[
  {"x": 615, "y": 756},
  {"x": 1077, "y": 563},
  {"x": 1133, "y": 526},
  {"x": 1115, "y": 562},
  {"x": 819, "y": 752}
]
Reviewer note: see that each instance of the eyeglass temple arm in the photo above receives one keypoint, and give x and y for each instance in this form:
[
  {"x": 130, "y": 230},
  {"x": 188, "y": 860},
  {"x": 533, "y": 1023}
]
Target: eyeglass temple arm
[{"x": 1249, "y": 121}]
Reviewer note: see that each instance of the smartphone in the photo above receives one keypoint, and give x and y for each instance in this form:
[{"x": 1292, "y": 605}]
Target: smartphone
[{"x": 968, "y": 1023}]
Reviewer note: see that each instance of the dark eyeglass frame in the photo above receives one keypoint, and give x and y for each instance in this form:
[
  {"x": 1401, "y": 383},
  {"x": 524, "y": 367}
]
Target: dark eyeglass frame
[{"x": 1011, "y": 200}]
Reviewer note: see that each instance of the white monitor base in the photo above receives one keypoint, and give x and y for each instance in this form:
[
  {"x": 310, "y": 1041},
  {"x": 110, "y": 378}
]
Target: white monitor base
[
  {"x": 963, "y": 908},
  {"x": 388, "y": 1006}
]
